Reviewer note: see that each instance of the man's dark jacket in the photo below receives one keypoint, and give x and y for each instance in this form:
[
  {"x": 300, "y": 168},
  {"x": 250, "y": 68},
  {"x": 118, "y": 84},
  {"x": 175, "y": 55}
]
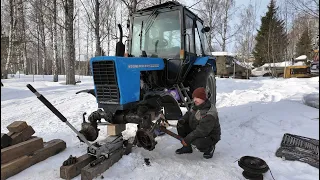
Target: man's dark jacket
[{"x": 204, "y": 122}]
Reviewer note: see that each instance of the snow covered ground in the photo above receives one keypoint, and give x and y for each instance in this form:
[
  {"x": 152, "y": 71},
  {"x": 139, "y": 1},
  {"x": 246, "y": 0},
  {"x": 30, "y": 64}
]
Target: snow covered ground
[{"x": 254, "y": 115}]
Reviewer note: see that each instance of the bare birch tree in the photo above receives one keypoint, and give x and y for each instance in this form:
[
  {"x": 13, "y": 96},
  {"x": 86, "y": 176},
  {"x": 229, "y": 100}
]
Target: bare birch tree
[
  {"x": 310, "y": 7},
  {"x": 224, "y": 31},
  {"x": 245, "y": 37},
  {"x": 11, "y": 36},
  {"x": 95, "y": 24},
  {"x": 210, "y": 11},
  {"x": 69, "y": 42},
  {"x": 55, "y": 48},
  {"x": 24, "y": 36}
]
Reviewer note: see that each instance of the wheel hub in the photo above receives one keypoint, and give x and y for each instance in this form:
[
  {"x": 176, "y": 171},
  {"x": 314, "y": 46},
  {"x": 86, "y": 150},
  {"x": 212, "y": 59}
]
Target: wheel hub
[{"x": 146, "y": 139}]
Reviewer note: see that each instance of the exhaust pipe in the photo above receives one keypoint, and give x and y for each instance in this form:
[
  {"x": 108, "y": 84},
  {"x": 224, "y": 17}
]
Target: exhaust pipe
[{"x": 120, "y": 47}]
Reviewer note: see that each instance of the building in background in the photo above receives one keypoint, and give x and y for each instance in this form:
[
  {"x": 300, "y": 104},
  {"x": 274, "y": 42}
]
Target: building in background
[{"x": 228, "y": 66}]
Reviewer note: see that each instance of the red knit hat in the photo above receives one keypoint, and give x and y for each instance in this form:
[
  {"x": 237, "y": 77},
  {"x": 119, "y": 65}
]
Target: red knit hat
[{"x": 200, "y": 93}]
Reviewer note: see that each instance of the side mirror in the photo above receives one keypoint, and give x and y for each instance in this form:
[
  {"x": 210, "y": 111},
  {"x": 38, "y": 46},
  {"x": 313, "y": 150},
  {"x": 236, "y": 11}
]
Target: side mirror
[{"x": 205, "y": 29}]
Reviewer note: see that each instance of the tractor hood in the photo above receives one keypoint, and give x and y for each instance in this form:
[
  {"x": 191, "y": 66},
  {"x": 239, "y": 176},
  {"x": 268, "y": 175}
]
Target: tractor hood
[{"x": 117, "y": 79}]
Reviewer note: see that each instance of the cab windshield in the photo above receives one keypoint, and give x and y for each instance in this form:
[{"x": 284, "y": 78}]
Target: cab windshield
[{"x": 158, "y": 34}]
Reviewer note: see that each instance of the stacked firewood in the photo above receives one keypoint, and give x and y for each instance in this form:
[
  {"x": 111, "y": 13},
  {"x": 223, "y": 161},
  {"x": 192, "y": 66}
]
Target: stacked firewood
[{"x": 20, "y": 150}]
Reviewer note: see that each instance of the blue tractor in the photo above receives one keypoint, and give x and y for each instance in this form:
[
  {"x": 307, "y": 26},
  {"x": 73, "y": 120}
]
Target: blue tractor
[{"x": 167, "y": 58}]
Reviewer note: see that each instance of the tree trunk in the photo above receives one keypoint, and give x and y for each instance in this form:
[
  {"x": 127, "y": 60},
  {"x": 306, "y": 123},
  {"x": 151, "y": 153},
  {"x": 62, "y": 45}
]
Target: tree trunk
[
  {"x": 25, "y": 57},
  {"x": 97, "y": 28},
  {"x": 12, "y": 22},
  {"x": 69, "y": 44},
  {"x": 38, "y": 45},
  {"x": 108, "y": 31},
  {"x": 55, "y": 48},
  {"x": 43, "y": 41},
  {"x": 225, "y": 27},
  {"x": 87, "y": 68},
  {"x": 62, "y": 62}
]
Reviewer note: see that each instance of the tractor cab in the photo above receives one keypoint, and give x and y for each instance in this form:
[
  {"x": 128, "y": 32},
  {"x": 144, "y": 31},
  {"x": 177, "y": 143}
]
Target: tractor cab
[
  {"x": 167, "y": 31},
  {"x": 172, "y": 32}
]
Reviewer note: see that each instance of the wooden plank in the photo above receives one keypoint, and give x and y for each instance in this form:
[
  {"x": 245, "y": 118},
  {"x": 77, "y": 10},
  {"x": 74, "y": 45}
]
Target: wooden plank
[
  {"x": 69, "y": 172},
  {"x": 22, "y": 136},
  {"x": 27, "y": 147},
  {"x": 50, "y": 148},
  {"x": 10, "y": 133},
  {"x": 5, "y": 140},
  {"x": 115, "y": 129},
  {"x": 88, "y": 172},
  {"x": 17, "y": 126}
]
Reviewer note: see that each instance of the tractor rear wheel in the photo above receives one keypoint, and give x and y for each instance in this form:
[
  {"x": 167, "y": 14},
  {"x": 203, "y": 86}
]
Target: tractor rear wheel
[{"x": 205, "y": 78}]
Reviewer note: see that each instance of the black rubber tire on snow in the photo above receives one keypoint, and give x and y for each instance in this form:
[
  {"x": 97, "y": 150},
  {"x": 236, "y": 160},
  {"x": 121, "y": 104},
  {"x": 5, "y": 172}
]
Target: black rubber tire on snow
[
  {"x": 253, "y": 165},
  {"x": 205, "y": 78}
]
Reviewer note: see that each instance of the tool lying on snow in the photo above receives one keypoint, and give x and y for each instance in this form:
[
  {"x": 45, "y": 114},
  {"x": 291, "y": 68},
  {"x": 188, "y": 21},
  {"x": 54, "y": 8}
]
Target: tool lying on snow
[
  {"x": 101, "y": 151},
  {"x": 299, "y": 148}
]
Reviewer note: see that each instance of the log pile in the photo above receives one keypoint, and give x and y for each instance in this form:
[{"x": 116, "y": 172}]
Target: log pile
[{"x": 20, "y": 150}]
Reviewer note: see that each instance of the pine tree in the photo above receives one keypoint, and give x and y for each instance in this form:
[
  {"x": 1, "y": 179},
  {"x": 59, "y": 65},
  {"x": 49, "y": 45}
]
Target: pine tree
[
  {"x": 271, "y": 40},
  {"x": 303, "y": 47}
]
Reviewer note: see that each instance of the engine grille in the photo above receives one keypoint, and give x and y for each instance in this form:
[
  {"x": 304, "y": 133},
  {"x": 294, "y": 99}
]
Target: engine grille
[{"x": 105, "y": 80}]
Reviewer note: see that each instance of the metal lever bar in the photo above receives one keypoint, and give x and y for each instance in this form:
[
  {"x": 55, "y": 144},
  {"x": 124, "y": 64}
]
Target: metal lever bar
[{"x": 57, "y": 113}]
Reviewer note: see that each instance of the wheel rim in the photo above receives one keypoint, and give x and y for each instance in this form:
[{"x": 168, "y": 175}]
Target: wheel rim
[{"x": 210, "y": 89}]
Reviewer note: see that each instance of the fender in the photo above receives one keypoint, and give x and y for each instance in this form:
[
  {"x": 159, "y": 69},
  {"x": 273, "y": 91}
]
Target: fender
[
  {"x": 202, "y": 61},
  {"x": 168, "y": 102}
]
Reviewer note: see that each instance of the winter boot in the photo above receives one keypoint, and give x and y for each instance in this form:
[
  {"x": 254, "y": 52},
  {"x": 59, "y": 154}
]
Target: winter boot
[
  {"x": 184, "y": 150},
  {"x": 209, "y": 153}
]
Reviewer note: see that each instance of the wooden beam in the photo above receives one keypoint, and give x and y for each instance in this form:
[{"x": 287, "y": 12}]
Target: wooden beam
[
  {"x": 5, "y": 140},
  {"x": 115, "y": 129},
  {"x": 21, "y": 136},
  {"x": 13, "y": 152},
  {"x": 17, "y": 126},
  {"x": 88, "y": 172},
  {"x": 69, "y": 172},
  {"x": 50, "y": 148}
]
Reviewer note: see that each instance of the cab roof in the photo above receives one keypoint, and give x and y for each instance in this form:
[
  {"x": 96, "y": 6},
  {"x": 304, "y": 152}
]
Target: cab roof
[{"x": 169, "y": 4}]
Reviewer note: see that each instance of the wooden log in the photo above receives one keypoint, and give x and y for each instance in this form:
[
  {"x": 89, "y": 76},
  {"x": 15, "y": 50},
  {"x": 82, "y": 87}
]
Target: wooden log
[
  {"x": 27, "y": 147},
  {"x": 50, "y": 148},
  {"x": 5, "y": 140},
  {"x": 88, "y": 172},
  {"x": 69, "y": 172},
  {"x": 17, "y": 126},
  {"x": 21, "y": 136},
  {"x": 115, "y": 129}
]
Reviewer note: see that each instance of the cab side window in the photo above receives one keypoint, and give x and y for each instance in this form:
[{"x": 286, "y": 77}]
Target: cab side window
[
  {"x": 189, "y": 38},
  {"x": 198, "y": 42}
]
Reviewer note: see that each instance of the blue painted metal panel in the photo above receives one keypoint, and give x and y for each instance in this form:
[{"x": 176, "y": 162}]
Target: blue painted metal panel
[
  {"x": 128, "y": 73},
  {"x": 201, "y": 61},
  {"x": 204, "y": 60}
]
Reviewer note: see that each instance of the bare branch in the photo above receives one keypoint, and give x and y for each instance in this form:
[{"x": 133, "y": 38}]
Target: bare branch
[{"x": 88, "y": 15}]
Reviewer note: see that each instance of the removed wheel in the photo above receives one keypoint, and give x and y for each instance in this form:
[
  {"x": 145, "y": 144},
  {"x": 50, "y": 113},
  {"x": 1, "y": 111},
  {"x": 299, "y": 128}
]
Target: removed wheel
[{"x": 253, "y": 167}]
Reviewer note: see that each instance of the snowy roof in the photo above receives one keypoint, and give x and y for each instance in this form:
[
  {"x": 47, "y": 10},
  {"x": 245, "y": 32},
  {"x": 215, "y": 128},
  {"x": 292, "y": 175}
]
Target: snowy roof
[
  {"x": 222, "y": 53},
  {"x": 302, "y": 57},
  {"x": 283, "y": 64}
]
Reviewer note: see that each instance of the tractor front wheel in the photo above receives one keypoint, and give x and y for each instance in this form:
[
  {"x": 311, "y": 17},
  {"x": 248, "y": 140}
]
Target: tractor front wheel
[{"x": 205, "y": 78}]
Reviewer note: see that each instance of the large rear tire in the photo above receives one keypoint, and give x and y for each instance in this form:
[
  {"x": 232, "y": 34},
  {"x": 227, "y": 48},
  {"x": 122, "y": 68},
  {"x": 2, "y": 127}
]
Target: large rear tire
[{"x": 204, "y": 78}]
